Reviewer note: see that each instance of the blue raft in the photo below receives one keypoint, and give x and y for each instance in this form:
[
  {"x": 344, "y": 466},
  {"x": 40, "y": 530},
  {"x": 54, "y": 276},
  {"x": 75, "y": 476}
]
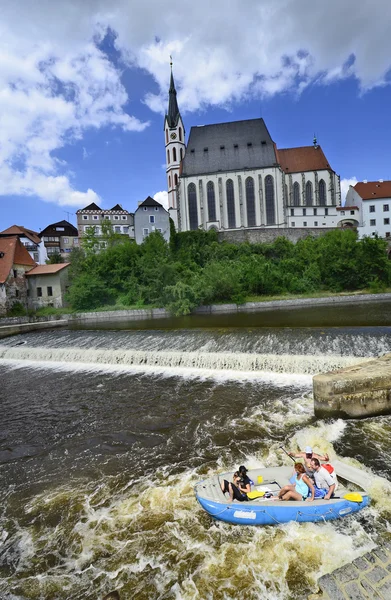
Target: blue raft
[{"x": 350, "y": 497}]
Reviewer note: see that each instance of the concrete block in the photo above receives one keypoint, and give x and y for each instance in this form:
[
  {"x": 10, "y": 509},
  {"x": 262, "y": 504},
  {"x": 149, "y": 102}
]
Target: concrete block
[
  {"x": 361, "y": 564},
  {"x": 328, "y": 584},
  {"x": 354, "y": 592},
  {"x": 385, "y": 590},
  {"x": 384, "y": 556},
  {"x": 377, "y": 574},
  {"x": 346, "y": 573},
  {"x": 371, "y": 593}
]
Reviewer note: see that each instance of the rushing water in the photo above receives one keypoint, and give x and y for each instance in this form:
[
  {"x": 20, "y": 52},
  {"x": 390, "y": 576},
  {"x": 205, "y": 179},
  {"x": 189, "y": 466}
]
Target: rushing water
[{"x": 104, "y": 434}]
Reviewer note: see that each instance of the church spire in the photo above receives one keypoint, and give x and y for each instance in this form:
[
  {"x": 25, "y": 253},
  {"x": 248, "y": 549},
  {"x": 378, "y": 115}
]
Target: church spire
[{"x": 173, "y": 110}]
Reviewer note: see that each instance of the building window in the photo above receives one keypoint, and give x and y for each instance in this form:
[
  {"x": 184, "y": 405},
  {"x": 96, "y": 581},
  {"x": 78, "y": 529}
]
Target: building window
[
  {"x": 166, "y": 136},
  {"x": 151, "y": 218},
  {"x": 124, "y": 217},
  {"x": 308, "y": 193},
  {"x": 269, "y": 200},
  {"x": 372, "y": 222},
  {"x": 250, "y": 202},
  {"x": 210, "y": 193},
  {"x": 386, "y": 207},
  {"x": 293, "y": 224},
  {"x": 117, "y": 229},
  {"x": 372, "y": 208},
  {"x": 39, "y": 292},
  {"x": 322, "y": 193},
  {"x": 386, "y": 221},
  {"x": 176, "y": 179},
  {"x": 36, "y": 256},
  {"x": 192, "y": 203},
  {"x": 181, "y": 151},
  {"x": 95, "y": 217},
  {"x": 292, "y": 212},
  {"x": 304, "y": 212},
  {"x": 342, "y": 213},
  {"x": 305, "y": 224},
  {"x": 60, "y": 229},
  {"x": 168, "y": 157},
  {"x": 156, "y": 208},
  {"x": 145, "y": 208},
  {"x": 180, "y": 134},
  {"x": 126, "y": 229},
  {"x": 15, "y": 273},
  {"x": 388, "y": 234},
  {"x": 159, "y": 230},
  {"x": 326, "y": 212},
  {"x": 17, "y": 293},
  {"x": 315, "y": 212},
  {"x": 145, "y": 231},
  {"x": 315, "y": 223},
  {"x": 229, "y": 187},
  {"x": 116, "y": 218},
  {"x": 169, "y": 181},
  {"x": 174, "y": 154},
  {"x": 351, "y": 212},
  {"x": 50, "y": 290},
  {"x": 65, "y": 240},
  {"x": 296, "y": 194},
  {"x": 85, "y": 217}
]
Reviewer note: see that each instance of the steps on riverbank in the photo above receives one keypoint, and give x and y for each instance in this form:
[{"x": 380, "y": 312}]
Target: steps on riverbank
[{"x": 366, "y": 578}]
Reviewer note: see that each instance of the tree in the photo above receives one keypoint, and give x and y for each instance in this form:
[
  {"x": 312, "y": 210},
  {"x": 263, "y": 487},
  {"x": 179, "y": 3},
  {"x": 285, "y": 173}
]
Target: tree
[{"x": 55, "y": 259}]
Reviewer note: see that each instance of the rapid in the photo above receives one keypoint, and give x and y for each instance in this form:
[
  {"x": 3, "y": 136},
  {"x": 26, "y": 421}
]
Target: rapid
[{"x": 105, "y": 432}]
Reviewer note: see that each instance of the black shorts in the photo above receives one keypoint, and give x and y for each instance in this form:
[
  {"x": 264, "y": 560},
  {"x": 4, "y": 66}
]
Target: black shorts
[{"x": 236, "y": 492}]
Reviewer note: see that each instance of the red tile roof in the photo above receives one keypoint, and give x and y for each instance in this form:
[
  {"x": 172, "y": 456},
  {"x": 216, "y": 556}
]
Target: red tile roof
[
  {"x": 12, "y": 252},
  {"x": 22, "y": 231},
  {"x": 48, "y": 269},
  {"x": 373, "y": 189},
  {"x": 306, "y": 158}
]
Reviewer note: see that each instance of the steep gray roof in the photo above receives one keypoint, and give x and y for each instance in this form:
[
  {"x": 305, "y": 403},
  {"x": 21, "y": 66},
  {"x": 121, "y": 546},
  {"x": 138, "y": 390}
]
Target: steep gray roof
[
  {"x": 229, "y": 147},
  {"x": 150, "y": 202},
  {"x": 173, "y": 113}
]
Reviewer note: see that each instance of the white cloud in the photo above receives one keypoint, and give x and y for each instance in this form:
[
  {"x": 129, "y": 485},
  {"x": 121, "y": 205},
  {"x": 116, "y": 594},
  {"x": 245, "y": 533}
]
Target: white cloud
[
  {"x": 162, "y": 198},
  {"x": 345, "y": 183},
  {"x": 55, "y": 80}
]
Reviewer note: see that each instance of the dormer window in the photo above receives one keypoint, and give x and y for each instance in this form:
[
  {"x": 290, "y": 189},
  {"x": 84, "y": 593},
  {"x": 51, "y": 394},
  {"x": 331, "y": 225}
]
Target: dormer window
[
  {"x": 263, "y": 143},
  {"x": 236, "y": 145},
  {"x": 205, "y": 149},
  {"x": 222, "y": 147},
  {"x": 249, "y": 144}
]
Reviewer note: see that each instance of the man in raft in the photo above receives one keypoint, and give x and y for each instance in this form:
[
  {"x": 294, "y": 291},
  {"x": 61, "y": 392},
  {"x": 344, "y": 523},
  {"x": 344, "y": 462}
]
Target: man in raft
[{"x": 307, "y": 456}]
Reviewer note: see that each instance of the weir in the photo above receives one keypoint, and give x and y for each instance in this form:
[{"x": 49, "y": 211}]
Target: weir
[{"x": 360, "y": 390}]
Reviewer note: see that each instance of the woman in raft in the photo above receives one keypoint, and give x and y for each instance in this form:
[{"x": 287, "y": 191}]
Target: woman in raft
[{"x": 300, "y": 489}]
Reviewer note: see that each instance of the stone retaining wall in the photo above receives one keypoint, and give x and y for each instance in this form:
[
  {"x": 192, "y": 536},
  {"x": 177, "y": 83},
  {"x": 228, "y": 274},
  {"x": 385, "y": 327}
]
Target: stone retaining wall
[
  {"x": 366, "y": 578},
  {"x": 270, "y": 234}
]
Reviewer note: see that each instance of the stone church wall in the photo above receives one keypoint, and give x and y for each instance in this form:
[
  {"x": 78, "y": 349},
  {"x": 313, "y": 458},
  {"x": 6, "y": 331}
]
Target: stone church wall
[{"x": 270, "y": 234}]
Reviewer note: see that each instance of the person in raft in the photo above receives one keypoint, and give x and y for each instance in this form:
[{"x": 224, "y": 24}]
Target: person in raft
[
  {"x": 301, "y": 489},
  {"x": 307, "y": 456},
  {"x": 325, "y": 484},
  {"x": 240, "y": 487}
]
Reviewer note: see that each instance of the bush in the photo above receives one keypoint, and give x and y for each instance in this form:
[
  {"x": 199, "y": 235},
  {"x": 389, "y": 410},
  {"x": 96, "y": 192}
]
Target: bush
[
  {"x": 88, "y": 291},
  {"x": 17, "y": 310}
]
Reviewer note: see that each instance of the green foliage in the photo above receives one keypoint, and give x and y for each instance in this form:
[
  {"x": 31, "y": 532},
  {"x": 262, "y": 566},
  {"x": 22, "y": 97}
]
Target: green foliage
[
  {"x": 55, "y": 259},
  {"x": 194, "y": 268},
  {"x": 17, "y": 310}
]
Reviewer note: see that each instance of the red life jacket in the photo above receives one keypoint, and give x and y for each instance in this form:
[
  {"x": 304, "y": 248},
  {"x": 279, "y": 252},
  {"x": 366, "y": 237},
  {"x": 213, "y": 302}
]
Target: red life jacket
[{"x": 329, "y": 468}]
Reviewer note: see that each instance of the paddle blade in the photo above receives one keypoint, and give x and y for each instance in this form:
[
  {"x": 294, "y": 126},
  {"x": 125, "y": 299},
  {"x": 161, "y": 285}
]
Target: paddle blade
[
  {"x": 353, "y": 497},
  {"x": 253, "y": 495}
]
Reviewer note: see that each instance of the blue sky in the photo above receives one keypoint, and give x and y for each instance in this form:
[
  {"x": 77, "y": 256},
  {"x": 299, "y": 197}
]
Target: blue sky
[{"x": 83, "y": 92}]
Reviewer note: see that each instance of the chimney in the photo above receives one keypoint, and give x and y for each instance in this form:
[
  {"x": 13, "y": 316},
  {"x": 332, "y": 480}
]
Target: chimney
[
  {"x": 365, "y": 180},
  {"x": 381, "y": 180}
]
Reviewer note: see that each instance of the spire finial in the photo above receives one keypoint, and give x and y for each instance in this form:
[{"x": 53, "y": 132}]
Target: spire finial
[
  {"x": 315, "y": 141},
  {"x": 171, "y": 62}
]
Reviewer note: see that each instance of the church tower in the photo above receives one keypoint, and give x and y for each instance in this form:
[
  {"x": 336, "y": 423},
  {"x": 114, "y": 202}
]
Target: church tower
[{"x": 174, "y": 133}]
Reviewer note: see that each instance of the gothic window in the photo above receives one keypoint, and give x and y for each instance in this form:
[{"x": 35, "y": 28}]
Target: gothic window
[
  {"x": 322, "y": 193},
  {"x": 169, "y": 182},
  {"x": 180, "y": 134},
  {"x": 250, "y": 202},
  {"x": 166, "y": 136},
  {"x": 174, "y": 154},
  {"x": 192, "y": 201},
  {"x": 176, "y": 179},
  {"x": 308, "y": 193},
  {"x": 296, "y": 194},
  {"x": 269, "y": 200},
  {"x": 168, "y": 157},
  {"x": 229, "y": 186},
  {"x": 181, "y": 151},
  {"x": 210, "y": 192}
]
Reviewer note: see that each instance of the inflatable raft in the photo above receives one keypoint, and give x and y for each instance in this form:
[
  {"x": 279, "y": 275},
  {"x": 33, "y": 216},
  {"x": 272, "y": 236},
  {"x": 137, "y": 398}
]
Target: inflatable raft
[{"x": 350, "y": 497}]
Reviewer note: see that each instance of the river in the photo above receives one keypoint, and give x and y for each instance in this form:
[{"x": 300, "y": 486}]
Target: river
[{"x": 105, "y": 430}]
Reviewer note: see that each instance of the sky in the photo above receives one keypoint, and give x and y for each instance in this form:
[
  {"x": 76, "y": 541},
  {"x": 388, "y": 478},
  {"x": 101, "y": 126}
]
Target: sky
[{"x": 84, "y": 89}]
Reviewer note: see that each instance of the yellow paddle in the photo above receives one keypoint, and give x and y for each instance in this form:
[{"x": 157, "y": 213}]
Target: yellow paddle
[
  {"x": 353, "y": 497},
  {"x": 255, "y": 494}
]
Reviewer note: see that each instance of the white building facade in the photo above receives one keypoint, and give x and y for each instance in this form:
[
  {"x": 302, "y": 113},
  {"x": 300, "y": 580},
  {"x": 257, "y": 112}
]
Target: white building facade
[
  {"x": 93, "y": 216},
  {"x": 233, "y": 176},
  {"x": 373, "y": 202}
]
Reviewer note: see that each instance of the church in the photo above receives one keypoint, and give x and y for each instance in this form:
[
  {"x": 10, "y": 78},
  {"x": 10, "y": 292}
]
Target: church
[{"x": 231, "y": 176}]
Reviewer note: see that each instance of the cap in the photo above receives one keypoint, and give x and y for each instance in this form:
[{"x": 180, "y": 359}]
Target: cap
[
  {"x": 308, "y": 450},
  {"x": 242, "y": 469}
]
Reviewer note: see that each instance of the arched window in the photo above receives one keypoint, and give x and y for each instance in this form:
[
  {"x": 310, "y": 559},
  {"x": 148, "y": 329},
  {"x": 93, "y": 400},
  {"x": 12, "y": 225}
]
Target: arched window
[
  {"x": 166, "y": 136},
  {"x": 180, "y": 134},
  {"x": 168, "y": 157},
  {"x": 250, "y": 202},
  {"x": 181, "y": 153},
  {"x": 210, "y": 192},
  {"x": 269, "y": 200},
  {"x": 174, "y": 154},
  {"x": 176, "y": 179},
  {"x": 296, "y": 194},
  {"x": 308, "y": 193},
  {"x": 322, "y": 193},
  {"x": 169, "y": 182},
  {"x": 192, "y": 201},
  {"x": 229, "y": 187}
]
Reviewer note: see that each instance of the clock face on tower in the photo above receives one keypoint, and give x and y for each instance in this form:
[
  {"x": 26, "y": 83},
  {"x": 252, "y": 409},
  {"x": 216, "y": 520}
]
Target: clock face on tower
[{"x": 173, "y": 136}]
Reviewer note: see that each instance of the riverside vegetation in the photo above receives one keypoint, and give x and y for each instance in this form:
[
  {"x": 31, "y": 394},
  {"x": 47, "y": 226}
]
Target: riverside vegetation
[{"x": 195, "y": 269}]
